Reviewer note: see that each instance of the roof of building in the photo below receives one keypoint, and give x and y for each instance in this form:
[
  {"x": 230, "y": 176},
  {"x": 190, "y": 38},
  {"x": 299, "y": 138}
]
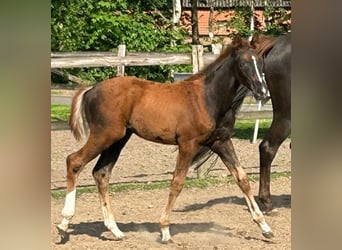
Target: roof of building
[{"x": 236, "y": 3}]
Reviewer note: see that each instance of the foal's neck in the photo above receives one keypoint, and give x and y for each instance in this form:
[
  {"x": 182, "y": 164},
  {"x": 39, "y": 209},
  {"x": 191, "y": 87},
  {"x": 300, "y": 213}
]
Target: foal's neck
[{"x": 220, "y": 89}]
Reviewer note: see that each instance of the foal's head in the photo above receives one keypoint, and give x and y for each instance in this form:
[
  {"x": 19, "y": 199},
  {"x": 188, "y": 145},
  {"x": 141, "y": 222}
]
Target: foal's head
[{"x": 249, "y": 68}]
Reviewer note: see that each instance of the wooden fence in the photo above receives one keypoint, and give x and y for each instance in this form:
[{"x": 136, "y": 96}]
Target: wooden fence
[{"x": 198, "y": 59}]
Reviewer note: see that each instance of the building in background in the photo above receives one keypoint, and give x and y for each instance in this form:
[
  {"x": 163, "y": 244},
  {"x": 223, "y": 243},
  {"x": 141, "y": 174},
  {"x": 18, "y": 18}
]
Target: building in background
[{"x": 214, "y": 15}]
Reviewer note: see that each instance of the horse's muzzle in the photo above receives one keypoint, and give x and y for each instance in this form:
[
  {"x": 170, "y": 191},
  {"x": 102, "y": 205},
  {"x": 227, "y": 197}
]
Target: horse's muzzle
[{"x": 261, "y": 92}]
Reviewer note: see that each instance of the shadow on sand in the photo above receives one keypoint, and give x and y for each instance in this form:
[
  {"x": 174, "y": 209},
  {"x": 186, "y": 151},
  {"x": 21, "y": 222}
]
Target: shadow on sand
[
  {"x": 279, "y": 201},
  {"x": 96, "y": 229}
]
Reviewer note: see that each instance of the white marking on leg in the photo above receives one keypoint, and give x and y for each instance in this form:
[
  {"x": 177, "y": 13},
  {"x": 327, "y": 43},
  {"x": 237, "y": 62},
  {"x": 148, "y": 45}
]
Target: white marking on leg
[
  {"x": 166, "y": 236},
  {"x": 265, "y": 227},
  {"x": 69, "y": 206},
  {"x": 165, "y": 225},
  {"x": 110, "y": 223},
  {"x": 257, "y": 215},
  {"x": 68, "y": 210}
]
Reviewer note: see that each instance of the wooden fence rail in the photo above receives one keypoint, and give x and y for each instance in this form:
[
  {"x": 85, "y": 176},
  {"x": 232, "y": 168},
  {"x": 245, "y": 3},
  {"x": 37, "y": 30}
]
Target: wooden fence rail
[{"x": 111, "y": 59}]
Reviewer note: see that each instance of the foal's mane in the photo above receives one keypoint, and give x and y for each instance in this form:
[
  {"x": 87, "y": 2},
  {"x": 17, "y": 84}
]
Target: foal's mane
[
  {"x": 212, "y": 66},
  {"x": 263, "y": 44}
]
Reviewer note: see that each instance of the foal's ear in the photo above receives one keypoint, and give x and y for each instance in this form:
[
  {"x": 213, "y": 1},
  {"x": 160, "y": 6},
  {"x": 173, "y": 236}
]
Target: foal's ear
[{"x": 237, "y": 40}]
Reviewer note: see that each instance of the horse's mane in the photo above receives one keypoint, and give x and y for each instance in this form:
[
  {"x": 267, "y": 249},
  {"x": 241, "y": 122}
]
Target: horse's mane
[
  {"x": 263, "y": 44},
  {"x": 212, "y": 66}
]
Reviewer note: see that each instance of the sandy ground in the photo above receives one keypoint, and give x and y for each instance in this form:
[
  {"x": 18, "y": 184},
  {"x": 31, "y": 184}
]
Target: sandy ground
[{"x": 211, "y": 218}]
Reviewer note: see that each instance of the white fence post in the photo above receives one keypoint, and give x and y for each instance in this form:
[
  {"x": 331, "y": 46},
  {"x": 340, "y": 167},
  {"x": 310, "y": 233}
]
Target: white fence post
[
  {"x": 121, "y": 53},
  {"x": 197, "y": 58},
  {"x": 256, "y": 127}
]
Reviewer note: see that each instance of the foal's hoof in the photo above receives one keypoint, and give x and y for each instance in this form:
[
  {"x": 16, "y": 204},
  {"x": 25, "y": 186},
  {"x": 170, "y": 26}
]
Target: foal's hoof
[
  {"x": 273, "y": 212},
  {"x": 268, "y": 235},
  {"x": 118, "y": 238},
  {"x": 61, "y": 231},
  {"x": 167, "y": 241},
  {"x": 64, "y": 237}
]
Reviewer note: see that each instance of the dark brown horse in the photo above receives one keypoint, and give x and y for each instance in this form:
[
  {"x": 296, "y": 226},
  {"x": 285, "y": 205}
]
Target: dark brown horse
[
  {"x": 191, "y": 114},
  {"x": 276, "y": 52}
]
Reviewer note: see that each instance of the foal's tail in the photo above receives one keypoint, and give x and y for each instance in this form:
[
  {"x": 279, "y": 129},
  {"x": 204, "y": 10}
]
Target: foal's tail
[{"x": 77, "y": 121}]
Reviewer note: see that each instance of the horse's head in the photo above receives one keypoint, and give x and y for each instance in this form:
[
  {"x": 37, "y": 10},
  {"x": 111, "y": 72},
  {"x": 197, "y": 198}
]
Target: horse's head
[{"x": 249, "y": 68}]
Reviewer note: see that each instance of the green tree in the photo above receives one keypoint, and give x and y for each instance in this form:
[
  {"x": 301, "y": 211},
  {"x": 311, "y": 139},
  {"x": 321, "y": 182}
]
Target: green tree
[
  {"x": 89, "y": 25},
  {"x": 277, "y": 19}
]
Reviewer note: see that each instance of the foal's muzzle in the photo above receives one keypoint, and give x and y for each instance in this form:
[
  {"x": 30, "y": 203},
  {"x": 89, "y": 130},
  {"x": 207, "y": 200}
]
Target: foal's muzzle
[{"x": 261, "y": 92}]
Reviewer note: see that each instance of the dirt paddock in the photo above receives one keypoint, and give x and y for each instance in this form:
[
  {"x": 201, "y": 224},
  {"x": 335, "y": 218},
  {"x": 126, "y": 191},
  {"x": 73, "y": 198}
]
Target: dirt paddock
[{"x": 212, "y": 218}]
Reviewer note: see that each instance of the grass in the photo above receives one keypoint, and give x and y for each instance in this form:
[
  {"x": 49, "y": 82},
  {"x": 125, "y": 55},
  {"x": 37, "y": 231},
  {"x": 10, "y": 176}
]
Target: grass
[
  {"x": 60, "y": 112},
  {"x": 189, "y": 183},
  {"x": 243, "y": 129}
]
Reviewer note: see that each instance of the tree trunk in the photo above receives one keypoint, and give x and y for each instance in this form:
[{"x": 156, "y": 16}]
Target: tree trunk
[
  {"x": 211, "y": 21},
  {"x": 194, "y": 23}
]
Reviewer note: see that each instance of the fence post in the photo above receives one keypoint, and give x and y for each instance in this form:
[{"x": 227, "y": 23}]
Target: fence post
[
  {"x": 121, "y": 53},
  {"x": 256, "y": 126},
  {"x": 197, "y": 58}
]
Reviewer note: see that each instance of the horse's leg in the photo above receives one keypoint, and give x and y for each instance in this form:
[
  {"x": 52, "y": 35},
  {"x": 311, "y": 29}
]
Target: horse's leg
[
  {"x": 101, "y": 173},
  {"x": 227, "y": 154},
  {"x": 75, "y": 163},
  {"x": 185, "y": 155},
  {"x": 268, "y": 148}
]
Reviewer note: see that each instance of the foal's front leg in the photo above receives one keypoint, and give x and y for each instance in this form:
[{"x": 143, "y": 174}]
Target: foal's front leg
[
  {"x": 227, "y": 154},
  {"x": 185, "y": 156}
]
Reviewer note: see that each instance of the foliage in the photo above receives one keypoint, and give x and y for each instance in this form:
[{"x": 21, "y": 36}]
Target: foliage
[
  {"x": 88, "y": 25},
  {"x": 240, "y": 22},
  {"x": 277, "y": 21}
]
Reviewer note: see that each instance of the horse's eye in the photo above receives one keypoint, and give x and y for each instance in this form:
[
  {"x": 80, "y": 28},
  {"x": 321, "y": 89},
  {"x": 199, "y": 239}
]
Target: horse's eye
[{"x": 241, "y": 64}]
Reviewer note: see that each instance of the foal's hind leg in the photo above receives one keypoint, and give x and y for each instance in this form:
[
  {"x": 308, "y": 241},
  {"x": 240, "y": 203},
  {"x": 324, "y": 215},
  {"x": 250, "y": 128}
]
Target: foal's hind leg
[
  {"x": 227, "y": 154},
  {"x": 101, "y": 173},
  {"x": 185, "y": 155},
  {"x": 268, "y": 148},
  {"x": 75, "y": 163}
]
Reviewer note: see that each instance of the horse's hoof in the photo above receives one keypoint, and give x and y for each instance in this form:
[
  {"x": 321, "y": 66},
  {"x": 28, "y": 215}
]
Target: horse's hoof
[
  {"x": 167, "y": 241},
  {"x": 268, "y": 235},
  {"x": 273, "y": 212},
  {"x": 119, "y": 238},
  {"x": 61, "y": 231}
]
